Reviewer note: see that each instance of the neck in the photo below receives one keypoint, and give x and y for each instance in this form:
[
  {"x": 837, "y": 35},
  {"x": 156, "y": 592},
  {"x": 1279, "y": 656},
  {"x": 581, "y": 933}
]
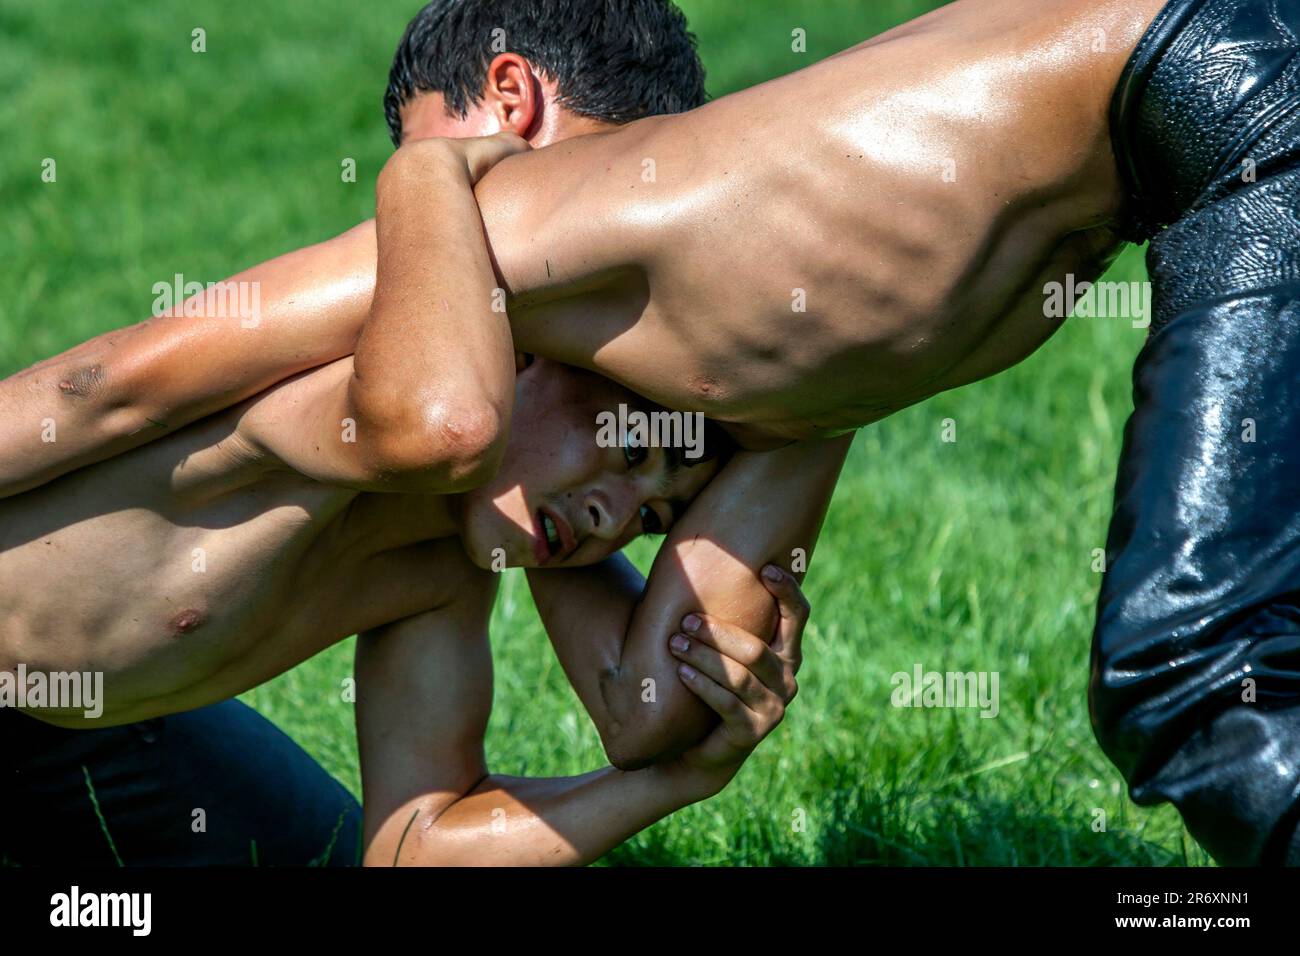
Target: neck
[{"x": 557, "y": 125}]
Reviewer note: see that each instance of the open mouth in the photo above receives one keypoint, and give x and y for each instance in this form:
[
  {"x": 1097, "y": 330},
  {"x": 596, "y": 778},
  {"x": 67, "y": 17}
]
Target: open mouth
[
  {"x": 554, "y": 537},
  {"x": 553, "y": 543}
]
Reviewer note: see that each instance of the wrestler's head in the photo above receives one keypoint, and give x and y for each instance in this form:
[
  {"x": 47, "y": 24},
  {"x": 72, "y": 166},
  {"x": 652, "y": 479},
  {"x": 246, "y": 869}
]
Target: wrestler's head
[
  {"x": 544, "y": 69},
  {"x": 582, "y": 477}
]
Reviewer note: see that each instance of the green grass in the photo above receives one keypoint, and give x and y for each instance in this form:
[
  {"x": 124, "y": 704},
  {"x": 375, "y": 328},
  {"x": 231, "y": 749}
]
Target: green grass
[{"x": 973, "y": 555}]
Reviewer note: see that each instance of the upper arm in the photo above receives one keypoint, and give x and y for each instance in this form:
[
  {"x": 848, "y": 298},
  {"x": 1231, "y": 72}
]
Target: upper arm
[
  {"x": 305, "y": 424},
  {"x": 424, "y": 694},
  {"x": 310, "y": 425}
]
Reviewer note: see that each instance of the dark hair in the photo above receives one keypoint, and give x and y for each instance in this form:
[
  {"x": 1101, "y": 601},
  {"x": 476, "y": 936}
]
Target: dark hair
[
  {"x": 614, "y": 60},
  {"x": 718, "y": 444}
]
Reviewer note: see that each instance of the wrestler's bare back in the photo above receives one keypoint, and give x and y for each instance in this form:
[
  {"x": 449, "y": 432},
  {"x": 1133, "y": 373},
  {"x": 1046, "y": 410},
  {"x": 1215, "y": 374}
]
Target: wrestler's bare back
[
  {"x": 912, "y": 196},
  {"x": 196, "y": 567},
  {"x": 818, "y": 251}
]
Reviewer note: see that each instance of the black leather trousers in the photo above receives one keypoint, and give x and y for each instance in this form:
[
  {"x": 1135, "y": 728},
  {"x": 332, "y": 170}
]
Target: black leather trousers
[{"x": 1195, "y": 690}]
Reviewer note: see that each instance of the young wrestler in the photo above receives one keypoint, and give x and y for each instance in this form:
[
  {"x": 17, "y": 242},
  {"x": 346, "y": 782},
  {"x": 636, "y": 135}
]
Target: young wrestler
[
  {"x": 269, "y": 801},
  {"x": 207, "y": 562},
  {"x": 419, "y": 381},
  {"x": 819, "y": 251}
]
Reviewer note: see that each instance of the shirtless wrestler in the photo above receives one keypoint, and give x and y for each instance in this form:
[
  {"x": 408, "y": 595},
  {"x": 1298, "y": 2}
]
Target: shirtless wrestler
[
  {"x": 300, "y": 549},
  {"x": 917, "y": 192},
  {"x": 304, "y": 543}
]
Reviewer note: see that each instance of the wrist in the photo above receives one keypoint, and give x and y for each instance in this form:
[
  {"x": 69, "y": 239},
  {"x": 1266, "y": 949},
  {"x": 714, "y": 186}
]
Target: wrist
[
  {"x": 690, "y": 784},
  {"x": 423, "y": 163}
]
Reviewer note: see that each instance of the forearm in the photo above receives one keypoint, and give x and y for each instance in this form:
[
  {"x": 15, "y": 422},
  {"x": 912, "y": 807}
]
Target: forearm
[
  {"x": 611, "y": 632},
  {"x": 129, "y": 386},
  {"x": 434, "y": 368},
  {"x": 611, "y": 636},
  {"x": 521, "y": 821},
  {"x": 588, "y": 616}
]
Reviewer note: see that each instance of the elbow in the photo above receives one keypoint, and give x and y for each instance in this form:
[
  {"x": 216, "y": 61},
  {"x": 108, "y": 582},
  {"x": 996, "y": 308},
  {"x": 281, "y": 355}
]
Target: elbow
[
  {"x": 627, "y": 753},
  {"x": 448, "y": 446},
  {"x": 643, "y": 733},
  {"x": 460, "y": 446}
]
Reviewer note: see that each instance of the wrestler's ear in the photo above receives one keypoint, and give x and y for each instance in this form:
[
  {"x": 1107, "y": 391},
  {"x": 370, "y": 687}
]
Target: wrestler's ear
[{"x": 512, "y": 94}]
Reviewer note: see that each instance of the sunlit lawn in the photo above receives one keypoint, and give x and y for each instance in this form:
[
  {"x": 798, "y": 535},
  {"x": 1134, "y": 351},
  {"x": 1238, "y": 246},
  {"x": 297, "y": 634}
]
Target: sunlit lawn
[{"x": 973, "y": 555}]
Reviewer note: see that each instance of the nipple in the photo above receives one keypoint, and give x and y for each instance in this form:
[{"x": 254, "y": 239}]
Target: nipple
[{"x": 185, "y": 622}]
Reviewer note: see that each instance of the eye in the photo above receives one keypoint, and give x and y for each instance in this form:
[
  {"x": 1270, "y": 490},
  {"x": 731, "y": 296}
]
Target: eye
[
  {"x": 650, "y": 523},
  {"x": 634, "y": 454}
]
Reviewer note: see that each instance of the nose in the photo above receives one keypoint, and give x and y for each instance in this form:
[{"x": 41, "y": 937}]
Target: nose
[{"x": 610, "y": 508}]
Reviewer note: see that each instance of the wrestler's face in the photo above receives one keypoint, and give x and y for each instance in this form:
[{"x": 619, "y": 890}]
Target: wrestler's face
[{"x": 560, "y": 499}]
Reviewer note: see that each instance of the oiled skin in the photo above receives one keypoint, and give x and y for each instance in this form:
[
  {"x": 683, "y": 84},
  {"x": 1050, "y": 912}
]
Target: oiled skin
[
  {"x": 831, "y": 180},
  {"x": 919, "y": 275},
  {"x": 199, "y": 566}
]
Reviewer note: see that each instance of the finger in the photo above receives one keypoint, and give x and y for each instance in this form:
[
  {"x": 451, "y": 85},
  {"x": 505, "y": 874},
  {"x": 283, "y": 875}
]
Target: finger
[
  {"x": 739, "y": 645},
  {"x": 794, "y": 610},
  {"x": 743, "y": 728},
  {"x": 727, "y": 673}
]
